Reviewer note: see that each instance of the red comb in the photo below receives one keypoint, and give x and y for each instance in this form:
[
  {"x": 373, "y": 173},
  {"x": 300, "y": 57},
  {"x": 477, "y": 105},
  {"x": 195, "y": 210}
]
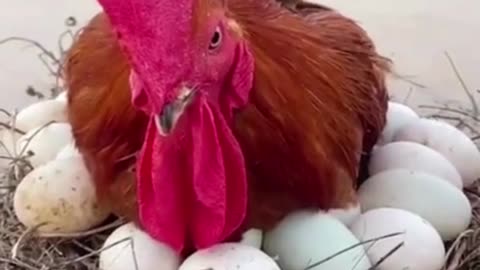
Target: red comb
[{"x": 155, "y": 35}]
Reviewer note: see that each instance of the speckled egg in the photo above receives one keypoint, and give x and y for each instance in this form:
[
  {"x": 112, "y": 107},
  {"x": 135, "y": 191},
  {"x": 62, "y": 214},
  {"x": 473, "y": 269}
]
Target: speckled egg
[{"x": 60, "y": 194}]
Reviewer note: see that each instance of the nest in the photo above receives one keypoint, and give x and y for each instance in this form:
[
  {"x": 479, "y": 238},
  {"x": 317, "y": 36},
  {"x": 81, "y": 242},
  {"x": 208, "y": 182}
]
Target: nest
[{"x": 24, "y": 248}]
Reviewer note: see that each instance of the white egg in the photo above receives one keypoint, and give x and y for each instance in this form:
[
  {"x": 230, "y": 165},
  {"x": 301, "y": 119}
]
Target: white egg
[
  {"x": 41, "y": 113},
  {"x": 61, "y": 194},
  {"x": 347, "y": 214},
  {"x": 46, "y": 142},
  {"x": 253, "y": 237},
  {"x": 7, "y": 142},
  {"x": 422, "y": 247},
  {"x": 413, "y": 156},
  {"x": 70, "y": 150},
  {"x": 304, "y": 239},
  {"x": 434, "y": 199},
  {"x": 62, "y": 97},
  {"x": 452, "y": 143},
  {"x": 229, "y": 256},
  {"x": 129, "y": 248},
  {"x": 4, "y": 182},
  {"x": 398, "y": 115}
]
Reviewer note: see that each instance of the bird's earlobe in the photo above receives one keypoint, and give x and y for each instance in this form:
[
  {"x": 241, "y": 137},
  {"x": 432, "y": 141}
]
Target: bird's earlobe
[
  {"x": 234, "y": 27},
  {"x": 241, "y": 81}
]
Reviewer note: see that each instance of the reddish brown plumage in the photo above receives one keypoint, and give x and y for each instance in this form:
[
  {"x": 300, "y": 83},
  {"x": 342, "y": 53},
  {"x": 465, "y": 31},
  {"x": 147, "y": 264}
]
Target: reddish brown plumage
[
  {"x": 106, "y": 127},
  {"x": 307, "y": 161},
  {"x": 314, "y": 63}
]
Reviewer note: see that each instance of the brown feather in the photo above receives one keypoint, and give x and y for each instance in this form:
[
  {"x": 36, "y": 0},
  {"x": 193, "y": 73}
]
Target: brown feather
[
  {"x": 105, "y": 125},
  {"x": 313, "y": 110}
]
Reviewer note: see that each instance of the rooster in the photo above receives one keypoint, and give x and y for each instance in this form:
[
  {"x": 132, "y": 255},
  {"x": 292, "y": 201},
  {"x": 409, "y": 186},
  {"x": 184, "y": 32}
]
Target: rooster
[{"x": 235, "y": 112}]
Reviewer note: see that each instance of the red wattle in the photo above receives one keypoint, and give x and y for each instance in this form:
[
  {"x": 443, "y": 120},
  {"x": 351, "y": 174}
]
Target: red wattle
[{"x": 192, "y": 187}]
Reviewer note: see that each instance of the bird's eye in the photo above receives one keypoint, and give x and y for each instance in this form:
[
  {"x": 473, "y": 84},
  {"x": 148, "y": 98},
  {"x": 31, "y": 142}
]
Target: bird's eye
[{"x": 216, "y": 40}]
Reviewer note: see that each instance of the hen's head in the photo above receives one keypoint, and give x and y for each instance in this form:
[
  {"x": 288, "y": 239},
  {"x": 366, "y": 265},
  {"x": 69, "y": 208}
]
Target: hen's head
[
  {"x": 180, "y": 50},
  {"x": 190, "y": 69}
]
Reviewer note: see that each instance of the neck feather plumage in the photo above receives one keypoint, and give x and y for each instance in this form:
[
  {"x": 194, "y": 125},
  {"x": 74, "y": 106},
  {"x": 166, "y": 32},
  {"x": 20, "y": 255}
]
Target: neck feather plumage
[{"x": 319, "y": 100}]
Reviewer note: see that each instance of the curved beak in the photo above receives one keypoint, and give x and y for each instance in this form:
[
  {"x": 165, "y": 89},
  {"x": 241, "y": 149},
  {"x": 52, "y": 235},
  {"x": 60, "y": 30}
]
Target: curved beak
[{"x": 171, "y": 112}]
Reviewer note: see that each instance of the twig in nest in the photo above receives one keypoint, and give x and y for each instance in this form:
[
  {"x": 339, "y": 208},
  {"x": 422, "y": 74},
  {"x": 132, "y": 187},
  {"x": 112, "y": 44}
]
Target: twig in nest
[
  {"x": 373, "y": 240},
  {"x": 18, "y": 263},
  {"x": 82, "y": 246},
  {"x": 53, "y": 63},
  {"x": 42, "y": 56},
  {"x": 44, "y": 52},
  {"x": 7, "y": 126},
  {"x": 97, "y": 230},
  {"x": 475, "y": 138},
  {"x": 25, "y": 235},
  {"x": 11, "y": 126},
  {"x": 7, "y": 113},
  {"x": 96, "y": 252},
  {"x": 61, "y": 48},
  {"x": 19, "y": 162},
  {"x": 29, "y": 140},
  {"x": 71, "y": 21},
  {"x": 31, "y": 232},
  {"x": 386, "y": 256},
  {"x": 407, "y": 97},
  {"x": 408, "y": 80},
  {"x": 5, "y": 148},
  {"x": 34, "y": 43},
  {"x": 7, "y": 187},
  {"x": 462, "y": 120},
  {"x": 453, "y": 250},
  {"x": 461, "y": 124},
  {"x": 470, "y": 256},
  {"x": 451, "y": 110},
  {"x": 464, "y": 85}
]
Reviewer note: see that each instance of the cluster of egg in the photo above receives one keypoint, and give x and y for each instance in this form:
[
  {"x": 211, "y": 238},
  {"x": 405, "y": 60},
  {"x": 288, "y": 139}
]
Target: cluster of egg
[
  {"x": 411, "y": 204},
  {"x": 58, "y": 195}
]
